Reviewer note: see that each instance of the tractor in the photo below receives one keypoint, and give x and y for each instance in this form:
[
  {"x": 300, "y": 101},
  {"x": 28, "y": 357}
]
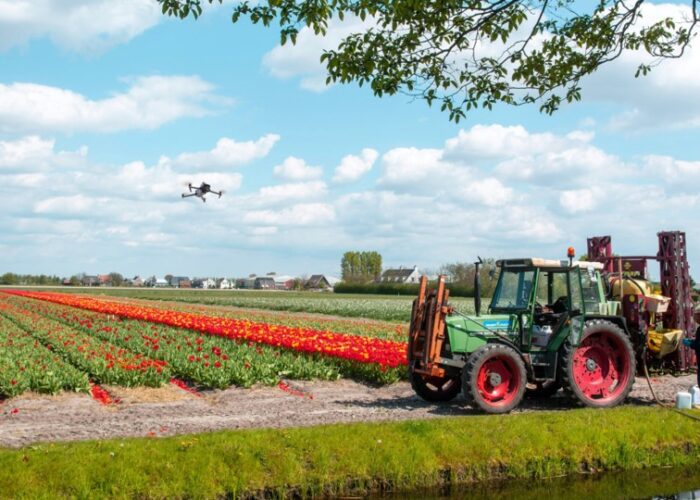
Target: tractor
[{"x": 551, "y": 324}]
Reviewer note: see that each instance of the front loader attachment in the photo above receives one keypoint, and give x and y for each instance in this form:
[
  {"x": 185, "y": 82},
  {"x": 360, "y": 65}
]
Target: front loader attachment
[{"x": 427, "y": 330}]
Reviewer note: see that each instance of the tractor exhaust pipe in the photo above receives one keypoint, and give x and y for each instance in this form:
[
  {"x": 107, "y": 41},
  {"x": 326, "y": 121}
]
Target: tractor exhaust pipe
[{"x": 477, "y": 286}]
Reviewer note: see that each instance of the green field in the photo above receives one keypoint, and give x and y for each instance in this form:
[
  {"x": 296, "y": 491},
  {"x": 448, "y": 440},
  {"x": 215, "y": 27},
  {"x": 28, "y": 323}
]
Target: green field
[
  {"x": 381, "y": 307},
  {"x": 355, "y": 459}
]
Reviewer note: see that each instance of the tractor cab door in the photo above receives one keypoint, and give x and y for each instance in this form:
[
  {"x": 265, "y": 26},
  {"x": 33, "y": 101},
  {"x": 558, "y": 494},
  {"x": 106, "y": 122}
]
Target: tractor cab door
[{"x": 558, "y": 307}]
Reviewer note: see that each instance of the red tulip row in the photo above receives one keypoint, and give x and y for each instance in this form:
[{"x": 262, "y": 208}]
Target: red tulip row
[
  {"x": 209, "y": 361},
  {"x": 102, "y": 360},
  {"x": 25, "y": 364},
  {"x": 355, "y": 348}
]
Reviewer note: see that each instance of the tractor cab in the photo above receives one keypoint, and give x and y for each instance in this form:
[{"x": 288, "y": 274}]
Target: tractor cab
[
  {"x": 548, "y": 326},
  {"x": 545, "y": 296}
]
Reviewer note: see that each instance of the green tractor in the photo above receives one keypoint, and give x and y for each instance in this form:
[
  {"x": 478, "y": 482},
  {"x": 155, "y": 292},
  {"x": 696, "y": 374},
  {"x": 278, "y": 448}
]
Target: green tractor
[{"x": 549, "y": 326}]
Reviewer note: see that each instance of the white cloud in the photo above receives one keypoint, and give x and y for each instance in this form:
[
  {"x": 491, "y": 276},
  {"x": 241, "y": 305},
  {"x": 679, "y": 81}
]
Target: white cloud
[
  {"x": 302, "y": 60},
  {"x": 490, "y": 192},
  {"x": 65, "y": 205},
  {"x": 498, "y": 141},
  {"x": 578, "y": 200},
  {"x": 296, "y": 169},
  {"x": 229, "y": 153},
  {"x": 149, "y": 103},
  {"x": 284, "y": 193},
  {"x": 673, "y": 170},
  {"x": 33, "y": 152},
  {"x": 426, "y": 208},
  {"x": 353, "y": 167},
  {"x": 302, "y": 214},
  {"x": 80, "y": 25}
]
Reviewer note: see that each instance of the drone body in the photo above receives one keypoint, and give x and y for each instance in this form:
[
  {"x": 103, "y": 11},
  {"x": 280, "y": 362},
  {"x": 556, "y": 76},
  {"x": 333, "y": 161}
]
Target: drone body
[{"x": 200, "y": 191}]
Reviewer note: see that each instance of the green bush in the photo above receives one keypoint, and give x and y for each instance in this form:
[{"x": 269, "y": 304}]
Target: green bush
[{"x": 456, "y": 289}]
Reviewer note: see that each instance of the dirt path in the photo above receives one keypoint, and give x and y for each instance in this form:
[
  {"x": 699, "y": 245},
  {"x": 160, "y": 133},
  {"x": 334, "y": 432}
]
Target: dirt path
[{"x": 171, "y": 410}]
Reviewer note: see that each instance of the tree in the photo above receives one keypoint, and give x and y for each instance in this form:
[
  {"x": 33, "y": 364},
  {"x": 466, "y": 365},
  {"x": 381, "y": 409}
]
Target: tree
[
  {"x": 360, "y": 267},
  {"x": 462, "y": 273},
  {"x": 116, "y": 279},
  {"x": 464, "y": 54},
  {"x": 9, "y": 279}
]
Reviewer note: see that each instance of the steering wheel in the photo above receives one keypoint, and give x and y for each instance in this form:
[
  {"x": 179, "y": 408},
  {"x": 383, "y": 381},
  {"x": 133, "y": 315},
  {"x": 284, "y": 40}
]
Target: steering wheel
[{"x": 561, "y": 304}]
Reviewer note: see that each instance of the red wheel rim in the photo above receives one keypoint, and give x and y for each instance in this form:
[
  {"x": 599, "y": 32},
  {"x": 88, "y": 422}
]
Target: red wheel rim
[
  {"x": 498, "y": 380},
  {"x": 601, "y": 367}
]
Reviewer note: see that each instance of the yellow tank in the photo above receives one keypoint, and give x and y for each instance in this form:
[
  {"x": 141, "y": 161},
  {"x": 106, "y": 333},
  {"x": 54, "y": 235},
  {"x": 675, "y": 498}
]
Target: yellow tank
[
  {"x": 635, "y": 286},
  {"x": 664, "y": 342}
]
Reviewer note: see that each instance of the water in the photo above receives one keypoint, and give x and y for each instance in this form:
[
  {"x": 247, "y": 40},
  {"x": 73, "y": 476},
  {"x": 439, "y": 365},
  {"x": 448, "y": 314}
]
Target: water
[{"x": 661, "y": 483}]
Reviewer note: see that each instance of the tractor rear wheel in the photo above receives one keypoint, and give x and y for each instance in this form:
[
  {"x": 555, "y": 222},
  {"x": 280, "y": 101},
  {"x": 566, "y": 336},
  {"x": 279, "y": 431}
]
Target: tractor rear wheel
[
  {"x": 494, "y": 379},
  {"x": 600, "y": 371},
  {"x": 435, "y": 389}
]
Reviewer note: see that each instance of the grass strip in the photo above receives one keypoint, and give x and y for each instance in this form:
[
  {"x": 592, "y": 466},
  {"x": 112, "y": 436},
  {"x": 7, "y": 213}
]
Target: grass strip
[{"x": 355, "y": 458}]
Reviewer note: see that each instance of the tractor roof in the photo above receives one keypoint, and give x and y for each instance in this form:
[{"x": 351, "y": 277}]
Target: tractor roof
[{"x": 547, "y": 263}]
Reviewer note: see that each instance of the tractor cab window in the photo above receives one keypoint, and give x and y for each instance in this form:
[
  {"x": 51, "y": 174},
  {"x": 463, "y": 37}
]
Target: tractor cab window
[
  {"x": 591, "y": 290},
  {"x": 514, "y": 289},
  {"x": 552, "y": 291}
]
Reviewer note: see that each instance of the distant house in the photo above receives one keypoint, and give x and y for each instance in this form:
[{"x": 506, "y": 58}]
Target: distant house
[
  {"x": 264, "y": 283},
  {"x": 224, "y": 284},
  {"x": 161, "y": 283},
  {"x": 66, "y": 282},
  {"x": 401, "y": 275},
  {"x": 90, "y": 281},
  {"x": 317, "y": 282},
  {"x": 284, "y": 282},
  {"x": 104, "y": 279},
  {"x": 180, "y": 282},
  {"x": 137, "y": 281}
]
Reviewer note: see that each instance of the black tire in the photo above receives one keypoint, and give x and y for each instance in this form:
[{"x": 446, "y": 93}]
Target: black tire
[
  {"x": 546, "y": 389},
  {"x": 435, "y": 390},
  {"x": 603, "y": 333},
  {"x": 476, "y": 390}
]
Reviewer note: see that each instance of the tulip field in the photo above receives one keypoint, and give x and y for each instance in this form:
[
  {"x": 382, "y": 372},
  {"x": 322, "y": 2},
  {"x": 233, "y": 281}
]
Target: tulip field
[
  {"x": 52, "y": 342},
  {"x": 379, "y": 307}
]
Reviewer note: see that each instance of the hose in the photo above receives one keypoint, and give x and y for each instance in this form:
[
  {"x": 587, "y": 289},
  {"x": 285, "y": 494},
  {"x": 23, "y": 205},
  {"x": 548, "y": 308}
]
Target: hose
[{"x": 653, "y": 394}]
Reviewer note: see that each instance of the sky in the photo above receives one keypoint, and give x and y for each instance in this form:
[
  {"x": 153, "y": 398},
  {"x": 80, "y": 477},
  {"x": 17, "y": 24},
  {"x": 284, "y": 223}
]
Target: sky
[{"x": 108, "y": 109}]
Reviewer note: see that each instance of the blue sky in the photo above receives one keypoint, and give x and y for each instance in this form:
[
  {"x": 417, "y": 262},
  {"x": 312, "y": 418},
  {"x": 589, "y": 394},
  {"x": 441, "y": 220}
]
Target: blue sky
[{"x": 107, "y": 108}]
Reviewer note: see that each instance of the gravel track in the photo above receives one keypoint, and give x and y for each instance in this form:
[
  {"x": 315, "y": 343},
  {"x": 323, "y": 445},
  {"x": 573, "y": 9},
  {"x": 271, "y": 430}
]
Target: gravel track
[{"x": 170, "y": 410}]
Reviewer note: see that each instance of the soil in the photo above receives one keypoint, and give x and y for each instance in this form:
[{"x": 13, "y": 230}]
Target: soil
[{"x": 171, "y": 410}]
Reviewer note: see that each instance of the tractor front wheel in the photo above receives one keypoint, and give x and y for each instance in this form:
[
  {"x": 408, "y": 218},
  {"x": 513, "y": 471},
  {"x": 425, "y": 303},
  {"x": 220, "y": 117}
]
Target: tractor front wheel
[
  {"x": 600, "y": 371},
  {"x": 435, "y": 389},
  {"x": 494, "y": 379}
]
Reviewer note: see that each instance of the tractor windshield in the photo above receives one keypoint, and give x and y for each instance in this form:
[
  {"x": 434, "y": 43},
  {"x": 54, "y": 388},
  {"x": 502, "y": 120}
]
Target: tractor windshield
[{"x": 514, "y": 289}]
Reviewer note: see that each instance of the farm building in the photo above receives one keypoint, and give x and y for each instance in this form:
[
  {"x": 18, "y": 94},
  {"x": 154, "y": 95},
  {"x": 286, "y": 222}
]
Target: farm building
[
  {"x": 90, "y": 281},
  {"x": 401, "y": 275},
  {"x": 180, "y": 282},
  {"x": 318, "y": 282},
  {"x": 161, "y": 283},
  {"x": 224, "y": 284},
  {"x": 285, "y": 282},
  {"x": 264, "y": 283}
]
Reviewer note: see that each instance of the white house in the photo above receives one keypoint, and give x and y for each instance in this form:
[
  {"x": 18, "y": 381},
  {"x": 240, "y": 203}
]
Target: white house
[
  {"x": 401, "y": 275},
  {"x": 161, "y": 283},
  {"x": 209, "y": 283},
  {"x": 225, "y": 284}
]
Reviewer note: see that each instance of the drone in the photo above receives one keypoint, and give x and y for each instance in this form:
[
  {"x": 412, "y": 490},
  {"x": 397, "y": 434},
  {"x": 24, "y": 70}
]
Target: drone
[{"x": 200, "y": 191}]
